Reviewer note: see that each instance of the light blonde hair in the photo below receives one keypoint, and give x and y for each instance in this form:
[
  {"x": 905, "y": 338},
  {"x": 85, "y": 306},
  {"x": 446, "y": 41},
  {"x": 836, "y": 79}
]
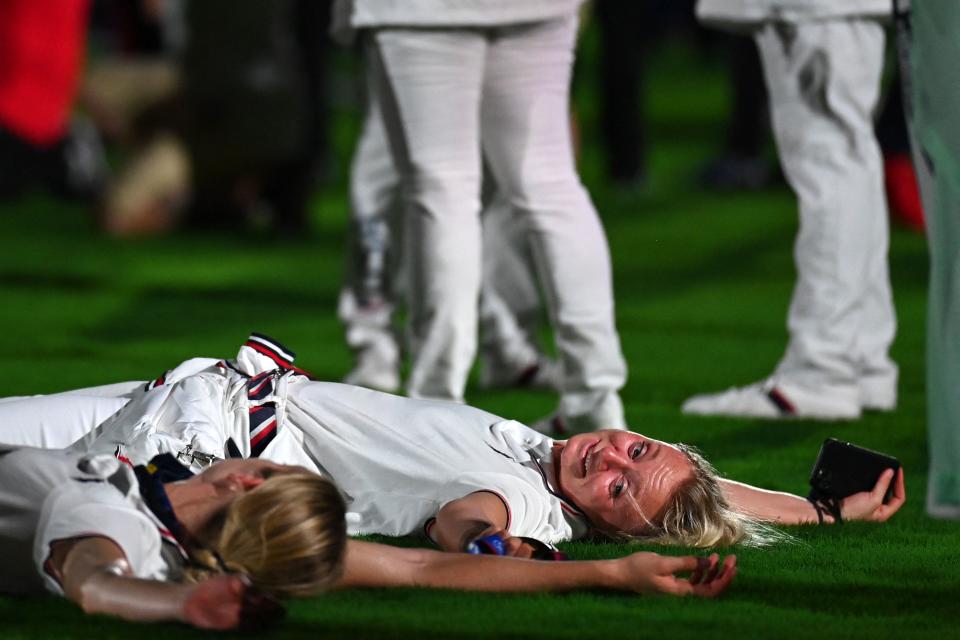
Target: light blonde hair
[
  {"x": 698, "y": 515},
  {"x": 288, "y": 535}
]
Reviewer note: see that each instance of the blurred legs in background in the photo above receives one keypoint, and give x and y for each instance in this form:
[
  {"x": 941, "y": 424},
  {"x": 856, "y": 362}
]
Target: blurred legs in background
[
  {"x": 823, "y": 77},
  {"x": 510, "y": 309},
  {"x": 42, "y": 46},
  {"x": 930, "y": 70},
  {"x": 520, "y": 80}
]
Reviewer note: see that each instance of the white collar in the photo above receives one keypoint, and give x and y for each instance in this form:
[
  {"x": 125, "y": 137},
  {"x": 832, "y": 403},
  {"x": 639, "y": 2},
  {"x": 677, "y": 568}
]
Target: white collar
[{"x": 535, "y": 451}]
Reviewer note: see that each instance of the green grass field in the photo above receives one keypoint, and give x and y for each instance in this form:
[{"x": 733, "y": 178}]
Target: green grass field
[{"x": 702, "y": 281}]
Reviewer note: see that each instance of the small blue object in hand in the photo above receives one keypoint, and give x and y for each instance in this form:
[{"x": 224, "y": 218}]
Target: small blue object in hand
[{"x": 491, "y": 545}]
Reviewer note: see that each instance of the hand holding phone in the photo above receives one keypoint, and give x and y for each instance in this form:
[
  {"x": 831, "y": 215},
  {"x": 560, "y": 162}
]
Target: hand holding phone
[
  {"x": 872, "y": 505},
  {"x": 854, "y": 483}
]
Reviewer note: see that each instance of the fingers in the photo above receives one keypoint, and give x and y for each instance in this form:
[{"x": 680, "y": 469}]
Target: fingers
[
  {"x": 512, "y": 545},
  {"x": 883, "y": 483},
  {"x": 676, "y": 564},
  {"x": 725, "y": 574},
  {"x": 896, "y": 500},
  {"x": 517, "y": 548},
  {"x": 705, "y": 568},
  {"x": 239, "y": 583},
  {"x": 709, "y": 579},
  {"x": 228, "y": 602}
]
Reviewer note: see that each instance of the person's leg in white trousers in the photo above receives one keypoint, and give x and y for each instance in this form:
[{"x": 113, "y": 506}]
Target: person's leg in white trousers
[
  {"x": 58, "y": 420},
  {"x": 442, "y": 91},
  {"x": 510, "y": 305},
  {"x": 367, "y": 299},
  {"x": 510, "y": 302},
  {"x": 824, "y": 79}
]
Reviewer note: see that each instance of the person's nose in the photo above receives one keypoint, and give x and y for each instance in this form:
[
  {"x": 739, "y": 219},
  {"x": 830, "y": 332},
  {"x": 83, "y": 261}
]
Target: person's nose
[{"x": 609, "y": 458}]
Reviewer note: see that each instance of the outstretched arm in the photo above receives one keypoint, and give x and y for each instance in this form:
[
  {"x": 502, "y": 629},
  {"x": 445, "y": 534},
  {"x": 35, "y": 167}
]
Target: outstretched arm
[
  {"x": 786, "y": 508},
  {"x": 376, "y": 565},
  {"x": 95, "y": 574}
]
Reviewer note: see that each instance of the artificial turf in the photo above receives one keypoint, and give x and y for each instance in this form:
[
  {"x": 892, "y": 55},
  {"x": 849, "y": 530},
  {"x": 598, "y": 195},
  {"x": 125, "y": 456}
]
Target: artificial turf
[{"x": 702, "y": 284}]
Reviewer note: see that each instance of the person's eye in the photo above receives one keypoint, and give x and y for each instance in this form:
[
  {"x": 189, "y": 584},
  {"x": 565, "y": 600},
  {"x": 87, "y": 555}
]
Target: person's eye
[
  {"x": 638, "y": 451},
  {"x": 617, "y": 488}
]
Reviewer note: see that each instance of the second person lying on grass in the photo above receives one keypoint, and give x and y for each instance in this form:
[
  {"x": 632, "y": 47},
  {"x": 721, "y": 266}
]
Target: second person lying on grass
[
  {"x": 155, "y": 542},
  {"x": 448, "y": 470}
]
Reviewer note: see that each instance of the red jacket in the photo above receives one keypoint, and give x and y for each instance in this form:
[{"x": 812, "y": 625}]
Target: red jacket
[{"x": 42, "y": 46}]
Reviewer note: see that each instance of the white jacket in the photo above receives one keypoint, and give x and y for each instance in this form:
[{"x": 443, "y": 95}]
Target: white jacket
[
  {"x": 194, "y": 409},
  {"x": 743, "y": 15},
  {"x": 350, "y": 15}
]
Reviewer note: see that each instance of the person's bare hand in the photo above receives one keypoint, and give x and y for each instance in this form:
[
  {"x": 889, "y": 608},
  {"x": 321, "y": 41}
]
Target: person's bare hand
[
  {"x": 512, "y": 545},
  {"x": 653, "y": 573},
  {"x": 229, "y": 602},
  {"x": 868, "y": 505}
]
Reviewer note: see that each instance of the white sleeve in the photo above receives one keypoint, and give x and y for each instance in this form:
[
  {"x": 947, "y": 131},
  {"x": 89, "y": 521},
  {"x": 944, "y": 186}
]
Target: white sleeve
[
  {"x": 529, "y": 512},
  {"x": 88, "y": 509},
  {"x": 196, "y": 414},
  {"x": 165, "y": 420},
  {"x": 188, "y": 368}
]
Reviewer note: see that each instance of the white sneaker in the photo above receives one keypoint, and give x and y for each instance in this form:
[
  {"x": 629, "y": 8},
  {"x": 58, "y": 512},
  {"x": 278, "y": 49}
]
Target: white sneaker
[
  {"x": 557, "y": 426},
  {"x": 878, "y": 395},
  {"x": 376, "y": 368},
  {"x": 543, "y": 373},
  {"x": 551, "y": 425},
  {"x": 774, "y": 399}
]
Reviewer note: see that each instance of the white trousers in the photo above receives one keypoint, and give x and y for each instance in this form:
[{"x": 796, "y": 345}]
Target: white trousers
[
  {"x": 510, "y": 307},
  {"x": 449, "y": 96},
  {"x": 59, "y": 419},
  {"x": 824, "y": 79}
]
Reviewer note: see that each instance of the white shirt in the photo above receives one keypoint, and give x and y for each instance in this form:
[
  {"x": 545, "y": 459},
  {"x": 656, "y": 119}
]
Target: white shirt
[
  {"x": 349, "y": 15},
  {"x": 745, "y": 14},
  {"x": 50, "y": 495},
  {"x": 195, "y": 407},
  {"x": 398, "y": 460}
]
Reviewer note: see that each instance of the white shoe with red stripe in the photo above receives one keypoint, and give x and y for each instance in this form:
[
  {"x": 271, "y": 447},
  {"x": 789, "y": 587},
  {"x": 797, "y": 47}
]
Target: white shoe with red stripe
[
  {"x": 377, "y": 367},
  {"x": 775, "y": 399},
  {"x": 542, "y": 373}
]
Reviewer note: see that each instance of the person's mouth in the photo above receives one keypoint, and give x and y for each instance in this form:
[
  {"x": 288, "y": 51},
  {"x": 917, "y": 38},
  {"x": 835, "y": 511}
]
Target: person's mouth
[{"x": 585, "y": 457}]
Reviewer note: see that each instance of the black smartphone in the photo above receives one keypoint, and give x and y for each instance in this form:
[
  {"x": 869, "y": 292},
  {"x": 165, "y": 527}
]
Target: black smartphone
[{"x": 843, "y": 469}]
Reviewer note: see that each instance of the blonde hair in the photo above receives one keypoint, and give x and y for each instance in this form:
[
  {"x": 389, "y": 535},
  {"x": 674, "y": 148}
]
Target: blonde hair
[
  {"x": 698, "y": 515},
  {"x": 288, "y": 535}
]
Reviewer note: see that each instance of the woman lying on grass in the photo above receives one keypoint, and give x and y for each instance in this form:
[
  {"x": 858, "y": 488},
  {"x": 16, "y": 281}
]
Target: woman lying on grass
[
  {"x": 215, "y": 550},
  {"x": 408, "y": 466}
]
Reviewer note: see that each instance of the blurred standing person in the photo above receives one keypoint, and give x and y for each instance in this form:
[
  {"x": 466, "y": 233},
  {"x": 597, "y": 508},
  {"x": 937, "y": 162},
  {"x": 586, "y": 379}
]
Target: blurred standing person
[
  {"x": 822, "y": 61},
  {"x": 235, "y": 136},
  {"x": 490, "y": 79},
  {"x": 41, "y": 53},
  {"x": 510, "y": 308},
  {"x": 931, "y": 93},
  {"x": 371, "y": 278}
]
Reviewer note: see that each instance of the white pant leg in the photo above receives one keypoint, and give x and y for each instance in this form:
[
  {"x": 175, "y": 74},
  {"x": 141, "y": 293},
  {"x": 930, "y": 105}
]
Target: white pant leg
[
  {"x": 116, "y": 390},
  {"x": 428, "y": 86},
  {"x": 56, "y": 420},
  {"x": 526, "y": 139},
  {"x": 366, "y": 300},
  {"x": 509, "y": 297},
  {"x": 823, "y": 79}
]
